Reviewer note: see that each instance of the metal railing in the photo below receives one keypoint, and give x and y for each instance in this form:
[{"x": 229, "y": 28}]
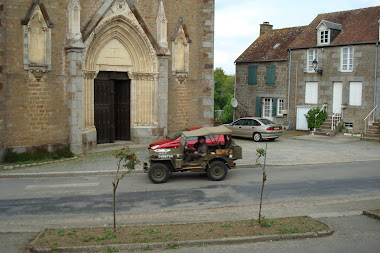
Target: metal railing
[
  {"x": 324, "y": 108},
  {"x": 366, "y": 125},
  {"x": 336, "y": 118}
]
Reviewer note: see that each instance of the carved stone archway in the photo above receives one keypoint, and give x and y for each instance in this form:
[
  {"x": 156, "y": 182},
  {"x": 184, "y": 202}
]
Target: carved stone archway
[{"x": 119, "y": 44}]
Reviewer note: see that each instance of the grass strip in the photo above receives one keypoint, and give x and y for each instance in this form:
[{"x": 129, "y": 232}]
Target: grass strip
[{"x": 171, "y": 233}]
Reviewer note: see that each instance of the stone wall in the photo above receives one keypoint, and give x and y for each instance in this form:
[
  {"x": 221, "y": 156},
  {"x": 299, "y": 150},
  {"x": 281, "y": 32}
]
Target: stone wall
[
  {"x": 192, "y": 102},
  {"x": 329, "y": 61},
  {"x": 246, "y": 94},
  {"x": 3, "y": 130},
  {"x": 36, "y": 111}
]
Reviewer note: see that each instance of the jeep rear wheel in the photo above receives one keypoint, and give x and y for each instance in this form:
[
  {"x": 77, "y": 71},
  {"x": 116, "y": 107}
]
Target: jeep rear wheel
[
  {"x": 217, "y": 171},
  {"x": 158, "y": 173}
]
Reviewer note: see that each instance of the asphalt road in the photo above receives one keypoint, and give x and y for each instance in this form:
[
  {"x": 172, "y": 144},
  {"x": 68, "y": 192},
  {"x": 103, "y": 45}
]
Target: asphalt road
[{"x": 50, "y": 201}]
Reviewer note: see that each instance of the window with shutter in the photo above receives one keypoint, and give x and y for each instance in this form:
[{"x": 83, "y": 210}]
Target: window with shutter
[
  {"x": 258, "y": 107},
  {"x": 274, "y": 107},
  {"x": 252, "y": 75},
  {"x": 271, "y": 75}
]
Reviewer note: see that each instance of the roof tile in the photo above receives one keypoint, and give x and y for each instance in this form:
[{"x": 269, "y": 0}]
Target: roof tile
[
  {"x": 360, "y": 25},
  {"x": 264, "y": 48}
]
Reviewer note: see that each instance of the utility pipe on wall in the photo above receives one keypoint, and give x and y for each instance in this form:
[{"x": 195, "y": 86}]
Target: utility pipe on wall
[
  {"x": 375, "y": 83},
  {"x": 289, "y": 70}
]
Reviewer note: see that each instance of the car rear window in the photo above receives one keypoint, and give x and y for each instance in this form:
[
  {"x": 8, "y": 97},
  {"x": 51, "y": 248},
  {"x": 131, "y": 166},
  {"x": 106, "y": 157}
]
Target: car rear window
[{"x": 266, "y": 121}]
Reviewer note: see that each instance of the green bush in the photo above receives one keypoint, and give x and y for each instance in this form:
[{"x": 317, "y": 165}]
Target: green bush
[
  {"x": 314, "y": 121},
  {"x": 38, "y": 155}
]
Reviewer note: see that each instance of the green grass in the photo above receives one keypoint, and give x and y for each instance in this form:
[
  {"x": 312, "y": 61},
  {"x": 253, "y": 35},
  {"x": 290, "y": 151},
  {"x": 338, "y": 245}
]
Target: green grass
[{"x": 40, "y": 155}]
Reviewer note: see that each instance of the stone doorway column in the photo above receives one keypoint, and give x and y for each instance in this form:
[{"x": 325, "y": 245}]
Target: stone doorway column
[
  {"x": 75, "y": 83},
  {"x": 163, "y": 89},
  {"x": 89, "y": 130}
]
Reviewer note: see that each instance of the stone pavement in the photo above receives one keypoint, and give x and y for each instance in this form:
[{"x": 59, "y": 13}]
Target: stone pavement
[{"x": 293, "y": 148}]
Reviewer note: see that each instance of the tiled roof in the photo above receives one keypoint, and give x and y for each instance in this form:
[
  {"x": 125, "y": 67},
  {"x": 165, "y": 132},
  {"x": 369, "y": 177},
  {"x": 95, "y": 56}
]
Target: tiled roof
[
  {"x": 271, "y": 46},
  {"x": 359, "y": 25}
]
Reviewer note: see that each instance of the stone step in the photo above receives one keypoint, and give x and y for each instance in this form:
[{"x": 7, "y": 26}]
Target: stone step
[
  {"x": 371, "y": 135},
  {"x": 375, "y": 128},
  {"x": 322, "y": 133},
  {"x": 370, "y": 139}
]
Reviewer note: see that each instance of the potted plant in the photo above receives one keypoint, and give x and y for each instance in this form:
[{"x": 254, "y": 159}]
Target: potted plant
[{"x": 344, "y": 106}]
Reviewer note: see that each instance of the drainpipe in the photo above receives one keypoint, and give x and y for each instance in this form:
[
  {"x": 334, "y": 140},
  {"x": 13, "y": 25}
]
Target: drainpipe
[
  {"x": 289, "y": 70},
  {"x": 235, "y": 89},
  {"x": 375, "y": 83}
]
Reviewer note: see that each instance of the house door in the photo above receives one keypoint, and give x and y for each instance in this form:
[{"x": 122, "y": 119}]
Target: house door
[
  {"x": 267, "y": 108},
  {"x": 337, "y": 99},
  {"x": 112, "y": 107}
]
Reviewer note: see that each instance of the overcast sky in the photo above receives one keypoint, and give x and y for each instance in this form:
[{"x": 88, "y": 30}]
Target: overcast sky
[{"x": 237, "y": 22}]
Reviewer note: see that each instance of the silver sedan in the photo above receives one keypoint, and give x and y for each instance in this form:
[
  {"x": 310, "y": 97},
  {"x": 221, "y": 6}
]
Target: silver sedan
[{"x": 255, "y": 128}]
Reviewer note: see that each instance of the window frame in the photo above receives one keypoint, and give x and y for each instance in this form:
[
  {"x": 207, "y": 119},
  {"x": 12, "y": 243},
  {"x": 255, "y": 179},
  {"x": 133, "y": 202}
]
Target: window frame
[
  {"x": 354, "y": 92},
  {"x": 315, "y": 55},
  {"x": 322, "y": 40},
  {"x": 313, "y": 102},
  {"x": 280, "y": 101},
  {"x": 350, "y": 56}
]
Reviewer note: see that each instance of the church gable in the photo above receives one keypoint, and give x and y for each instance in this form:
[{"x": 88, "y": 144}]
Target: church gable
[{"x": 114, "y": 8}]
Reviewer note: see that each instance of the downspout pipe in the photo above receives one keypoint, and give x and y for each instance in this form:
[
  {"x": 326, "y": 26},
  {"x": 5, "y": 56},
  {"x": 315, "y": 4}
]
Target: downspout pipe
[
  {"x": 235, "y": 90},
  {"x": 375, "y": 83},
  {"x": 289, "y": 71}
]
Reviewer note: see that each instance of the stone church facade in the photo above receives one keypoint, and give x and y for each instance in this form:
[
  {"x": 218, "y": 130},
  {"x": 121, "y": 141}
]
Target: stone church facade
[{"x": 83, "y": 72}]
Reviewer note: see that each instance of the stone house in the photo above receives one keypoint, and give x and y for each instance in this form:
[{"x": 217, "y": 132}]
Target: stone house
[
  {"x": 344, "y": 48},
  {"x": 261, "y": 74},
  {"x": 333, "y": 61},
  {"x": 83, "y": 72}
]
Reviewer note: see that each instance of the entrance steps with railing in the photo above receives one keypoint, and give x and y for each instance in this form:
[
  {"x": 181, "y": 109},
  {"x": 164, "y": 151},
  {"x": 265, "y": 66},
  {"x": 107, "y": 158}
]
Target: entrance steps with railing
[
  {"x": 373, "y": 133},
  {"x": 325, "y": 128}
]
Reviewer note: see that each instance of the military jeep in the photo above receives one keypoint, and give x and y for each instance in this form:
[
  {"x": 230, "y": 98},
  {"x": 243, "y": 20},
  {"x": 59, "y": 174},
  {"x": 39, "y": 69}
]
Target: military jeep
[{"x": 216, "y": 162}]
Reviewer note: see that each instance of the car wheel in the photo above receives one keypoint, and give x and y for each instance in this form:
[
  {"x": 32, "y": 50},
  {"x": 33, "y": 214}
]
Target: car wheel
[
  {"x": 257, "y": 137},
  {"x": 158, "y": 173},
  {"x": 217, "y": 171}
]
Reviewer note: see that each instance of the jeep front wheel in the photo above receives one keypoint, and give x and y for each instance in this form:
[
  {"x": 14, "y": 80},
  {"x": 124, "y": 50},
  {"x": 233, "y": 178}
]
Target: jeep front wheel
[
  {"x": 217, "y": 171},
  {"x": 158, "y": 173}
]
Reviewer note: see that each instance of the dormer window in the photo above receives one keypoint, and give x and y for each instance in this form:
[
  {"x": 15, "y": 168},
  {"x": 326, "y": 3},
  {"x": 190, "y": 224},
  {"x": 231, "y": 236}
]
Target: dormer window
[
  {"x": 327, "y": 31},
  {"x": 324, "y": 37}
]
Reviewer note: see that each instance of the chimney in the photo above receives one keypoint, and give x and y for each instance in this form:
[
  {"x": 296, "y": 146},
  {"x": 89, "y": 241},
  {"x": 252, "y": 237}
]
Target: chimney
[{"x": 265, "y": 27}]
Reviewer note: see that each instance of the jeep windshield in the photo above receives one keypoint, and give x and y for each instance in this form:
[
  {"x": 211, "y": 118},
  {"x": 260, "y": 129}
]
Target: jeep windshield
[{"x": 175, "y": 135}]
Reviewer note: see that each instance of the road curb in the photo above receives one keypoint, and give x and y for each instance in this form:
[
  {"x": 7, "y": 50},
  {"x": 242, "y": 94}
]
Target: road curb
[
  {"x": 166, "y": 245},
  {"x": 18, "y": 166},
  {"x": 64, "y": 174},
  {"x": 372, "y": 214}
]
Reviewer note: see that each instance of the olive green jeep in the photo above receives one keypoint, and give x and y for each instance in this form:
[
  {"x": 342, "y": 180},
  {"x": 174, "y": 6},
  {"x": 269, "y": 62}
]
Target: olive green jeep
[{"x": 216, "y": 162}]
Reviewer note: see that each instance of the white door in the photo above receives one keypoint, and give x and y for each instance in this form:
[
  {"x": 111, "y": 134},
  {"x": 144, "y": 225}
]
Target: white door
[
  {"x": 267, "y": 108},
  {"x": 301, "y": 119},
  {"x": 337, "y": 99}
]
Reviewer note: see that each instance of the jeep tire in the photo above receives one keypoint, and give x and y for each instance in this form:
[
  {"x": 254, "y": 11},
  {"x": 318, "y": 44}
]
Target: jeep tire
[
  {"x": 217, "y": 171},
  {"x": 158, "y": 173}
]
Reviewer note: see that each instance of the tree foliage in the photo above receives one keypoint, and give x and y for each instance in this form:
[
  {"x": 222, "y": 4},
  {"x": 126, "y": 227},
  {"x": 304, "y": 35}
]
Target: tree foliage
[
  {"x": 315, "y": 118},
  {"x": 223, "y": 93}
]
